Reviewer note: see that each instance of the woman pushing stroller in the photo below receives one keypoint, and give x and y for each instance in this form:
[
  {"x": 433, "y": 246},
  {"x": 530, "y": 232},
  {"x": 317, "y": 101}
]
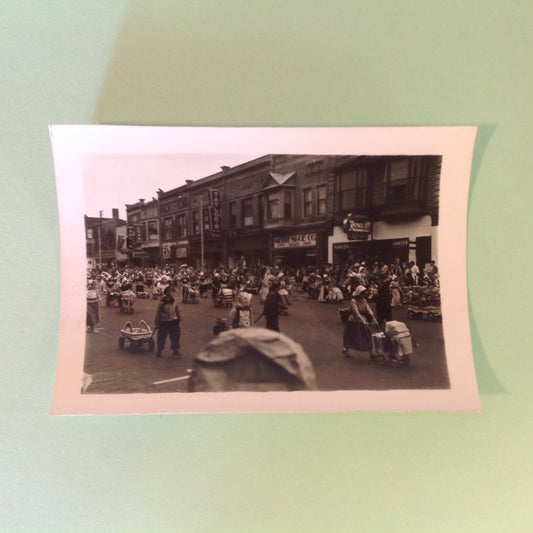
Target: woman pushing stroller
[{"x": 359, "y": 326}]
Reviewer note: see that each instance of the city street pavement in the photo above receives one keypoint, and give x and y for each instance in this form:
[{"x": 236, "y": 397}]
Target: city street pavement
[{"x": 316, "y": 326}]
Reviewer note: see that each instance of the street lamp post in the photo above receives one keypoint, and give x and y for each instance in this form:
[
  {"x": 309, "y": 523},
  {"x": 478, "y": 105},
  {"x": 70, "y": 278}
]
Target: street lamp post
[{"x": 202, "y": 232}]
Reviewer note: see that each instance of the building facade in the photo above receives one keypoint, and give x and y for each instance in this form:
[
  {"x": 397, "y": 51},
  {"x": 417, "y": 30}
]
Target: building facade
[
  {"x": 105, "y": 241},
  {"x": 143, "y": 240},
  {"x": 386, "y": 207}
]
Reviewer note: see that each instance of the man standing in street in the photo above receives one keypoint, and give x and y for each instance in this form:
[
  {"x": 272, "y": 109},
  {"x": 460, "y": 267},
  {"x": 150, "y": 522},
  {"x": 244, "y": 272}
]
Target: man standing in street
[{"x": 168, "y": 319}]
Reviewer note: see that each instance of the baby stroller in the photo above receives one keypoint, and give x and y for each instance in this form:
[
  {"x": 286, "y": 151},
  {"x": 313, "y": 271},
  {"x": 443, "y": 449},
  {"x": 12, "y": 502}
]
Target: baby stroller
[
  {"x": 224, "y": 298},
  {"x": 394, "y": 346},
  {"x": 190, "y": 294},
  {"x": 127, "y": 302},
  {"x": 137, "y": 337},
  {"x": 140, "y": 292},
  {"x": 220, "y": 326}
]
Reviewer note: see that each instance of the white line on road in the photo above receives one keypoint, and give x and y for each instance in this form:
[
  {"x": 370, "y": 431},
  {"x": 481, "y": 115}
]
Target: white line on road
[{"x": 181, "y": 378}]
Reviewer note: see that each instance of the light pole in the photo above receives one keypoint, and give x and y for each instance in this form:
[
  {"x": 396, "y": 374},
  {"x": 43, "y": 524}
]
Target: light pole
[{"x": 202, "y": 231}]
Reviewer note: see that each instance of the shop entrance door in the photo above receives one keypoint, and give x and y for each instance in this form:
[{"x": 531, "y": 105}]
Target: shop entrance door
[{"x": 423, "y": 251}]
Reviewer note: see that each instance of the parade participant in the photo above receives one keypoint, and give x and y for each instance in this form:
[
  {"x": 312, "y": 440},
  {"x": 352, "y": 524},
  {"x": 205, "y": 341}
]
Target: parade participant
[
  {"x": 396, "y": 292},
  {"x": 383, "y": 296},
  {"x": 272, "y": 307},
  {"x": 168, "y": 320},
  {"x": 415, "y": 272},
  {"x": 241, "y": 314},
  {"x": 357, "y": 334},
  {"x": 93, "y": 303}
]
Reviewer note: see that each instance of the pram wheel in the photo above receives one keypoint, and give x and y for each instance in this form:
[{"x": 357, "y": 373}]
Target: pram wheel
[
  {"x": 382, "y": 360},
  {"x": 121, "y": 343},
  {"x": 394, "y": 362}
]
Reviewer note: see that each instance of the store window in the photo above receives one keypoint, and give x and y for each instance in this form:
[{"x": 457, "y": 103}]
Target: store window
[
  {"x": 181, "y": 225},
  {"x": 321, "y": 200},
  {"x": 153, "y": 234},
  {"x": 167, "y": 228},
  {"x": 307, "y": 202},
  {"x": 247, "y": 212}
]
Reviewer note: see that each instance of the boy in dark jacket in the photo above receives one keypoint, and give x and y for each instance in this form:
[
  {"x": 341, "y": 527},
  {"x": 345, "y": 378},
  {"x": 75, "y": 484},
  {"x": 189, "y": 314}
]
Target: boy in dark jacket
[{"x": 168, "y": 319}]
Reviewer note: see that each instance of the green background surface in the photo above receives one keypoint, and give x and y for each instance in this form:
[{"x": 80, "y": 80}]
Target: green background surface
[{"x": 268, "y": 63}]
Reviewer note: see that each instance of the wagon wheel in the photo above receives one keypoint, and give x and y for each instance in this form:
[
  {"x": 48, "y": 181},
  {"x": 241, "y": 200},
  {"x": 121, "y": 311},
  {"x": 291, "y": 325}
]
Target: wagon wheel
[
  {"x": 121, "y": 343},
  {"x": 151, "y": 344},
  {"x": 394, "y": 362},
  {"x": 431, "y": 315},
  {"x": 410, "y": 314}
]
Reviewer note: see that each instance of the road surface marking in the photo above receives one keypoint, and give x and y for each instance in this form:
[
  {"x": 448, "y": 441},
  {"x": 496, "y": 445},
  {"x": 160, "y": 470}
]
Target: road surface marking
[{"x": 181, "y": 378}]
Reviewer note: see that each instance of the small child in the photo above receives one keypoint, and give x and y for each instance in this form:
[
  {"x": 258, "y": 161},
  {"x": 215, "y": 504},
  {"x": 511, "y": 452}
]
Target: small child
[{"x": 241, "y": 315}]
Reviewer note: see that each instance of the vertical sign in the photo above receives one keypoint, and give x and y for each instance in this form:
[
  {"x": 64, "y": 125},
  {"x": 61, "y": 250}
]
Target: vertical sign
[{"x": 214, "y": 211}]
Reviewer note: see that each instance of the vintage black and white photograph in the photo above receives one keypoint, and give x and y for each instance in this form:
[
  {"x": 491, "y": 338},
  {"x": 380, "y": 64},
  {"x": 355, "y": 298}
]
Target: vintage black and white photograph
[{"x": 263, "y": 272}]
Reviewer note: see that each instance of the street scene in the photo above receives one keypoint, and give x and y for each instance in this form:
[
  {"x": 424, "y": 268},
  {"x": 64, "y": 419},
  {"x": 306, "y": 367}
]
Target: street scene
[
  {"x": 209, "y": 285},
  {"x": 315, "y": 325}
]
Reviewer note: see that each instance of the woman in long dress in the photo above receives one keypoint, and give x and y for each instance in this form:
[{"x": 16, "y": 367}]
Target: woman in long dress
[
  {"x": 357, "y": 335},
  {"x": 93, "y": 304}
]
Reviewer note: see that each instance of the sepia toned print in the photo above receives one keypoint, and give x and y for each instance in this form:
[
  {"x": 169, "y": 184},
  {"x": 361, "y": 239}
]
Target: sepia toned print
[{"x": 311, "y": 280}]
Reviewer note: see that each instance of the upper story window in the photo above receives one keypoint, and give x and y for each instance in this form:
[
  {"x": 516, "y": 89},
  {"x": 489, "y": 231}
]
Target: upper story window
[
  {"x": 272, "y": 206},
  {"x": 196, "y": 222},
  {"x": 287, "y": 204},
  {"x": 167, "y": 228},
  {"x": 307, "y": 202},
  {"x": 404, "y": 179},
  {"x": 314, "y": 167},
  {"x": 233, "y": 214},
  {"x": 353, "y": 189},
  {"x": 181, "y": 225},
  {"x": 153, "y": 234},
  {"x": 321, "y": 199},
  {"x": 247, "y": 212},
  {"x": 90, "y": 234}
]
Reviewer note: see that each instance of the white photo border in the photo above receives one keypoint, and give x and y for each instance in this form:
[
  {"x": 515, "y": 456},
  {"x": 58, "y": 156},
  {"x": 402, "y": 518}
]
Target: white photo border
[{"x": 72, "y": 144}]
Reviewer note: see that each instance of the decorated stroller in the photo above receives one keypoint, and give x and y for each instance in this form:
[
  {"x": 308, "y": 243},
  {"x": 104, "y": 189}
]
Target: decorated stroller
[
  {"x": 394, "y": 346},
  {"x": 424, "y": 303},
  {"x": 137, "y": 337},
  {"x": 224, "y": 298}
]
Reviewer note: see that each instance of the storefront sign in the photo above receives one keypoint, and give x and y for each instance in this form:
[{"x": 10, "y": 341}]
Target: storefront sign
[
  {"x": 298, "y": 240},
  {"x": 356, "y": 227},
  {"x": 140, "y": 255},
  {"x": 402, "y": 243}
]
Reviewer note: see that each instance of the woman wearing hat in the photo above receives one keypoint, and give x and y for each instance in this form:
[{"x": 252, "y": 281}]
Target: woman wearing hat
[
  {"x": 357, "y": 335},
  {"x": 93, "y": 304}
]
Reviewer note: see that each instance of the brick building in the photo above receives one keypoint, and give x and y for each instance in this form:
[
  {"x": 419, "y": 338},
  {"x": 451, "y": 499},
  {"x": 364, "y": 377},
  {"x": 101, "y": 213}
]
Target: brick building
[
  {"x": 104, "y": 246},
  {"x": 144, "y": 248},
  {"x": 394, "y": 206}
]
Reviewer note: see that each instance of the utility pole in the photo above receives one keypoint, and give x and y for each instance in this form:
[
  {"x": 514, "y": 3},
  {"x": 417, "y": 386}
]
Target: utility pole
[
  {"x": 202, "y": 231},
  {"x": 100, "y": 241}
]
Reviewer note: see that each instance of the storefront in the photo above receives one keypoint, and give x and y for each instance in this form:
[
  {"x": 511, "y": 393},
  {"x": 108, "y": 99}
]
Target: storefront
[
  {"x": 254, "y": 249},
  {"x": 299, "y": 248},
  {"x": 175, "y": 253},
  {"x": 413, "y": 240}
]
